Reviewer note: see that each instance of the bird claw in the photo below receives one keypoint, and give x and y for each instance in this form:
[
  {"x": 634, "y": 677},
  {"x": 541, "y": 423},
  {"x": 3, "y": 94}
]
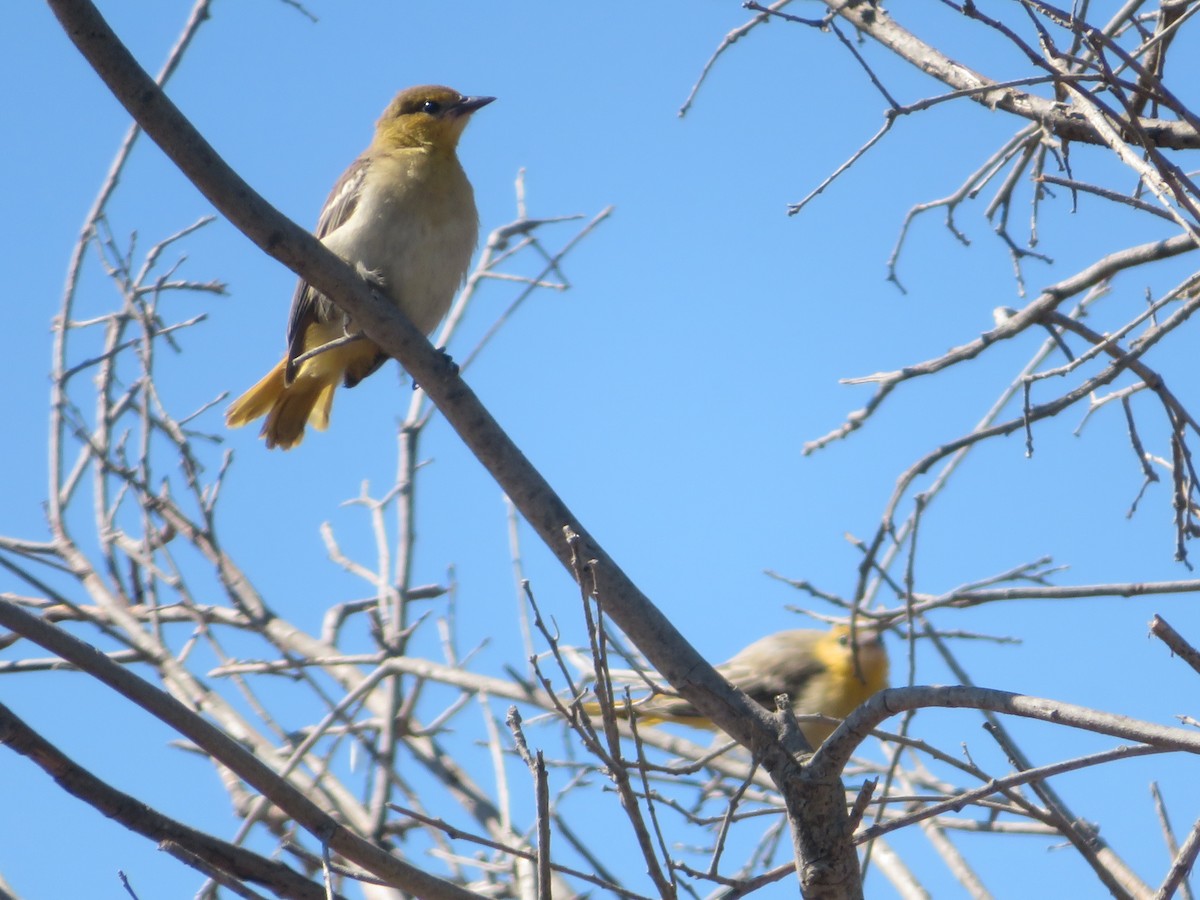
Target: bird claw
[
  {"x": 447, "y": 359},
  {"x": 445, "y": 354}
]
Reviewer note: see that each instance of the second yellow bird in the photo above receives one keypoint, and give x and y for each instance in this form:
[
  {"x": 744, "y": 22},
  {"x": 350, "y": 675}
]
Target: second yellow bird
[
  {"x": 818, "y": 670},
  {"x": 404, "y": 215}
]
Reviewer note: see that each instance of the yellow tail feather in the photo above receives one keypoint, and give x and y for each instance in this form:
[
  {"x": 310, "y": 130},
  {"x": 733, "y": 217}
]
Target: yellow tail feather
[
  {"x": 288, "y": 408},
  {"x": 257, "y": 401},
  {"x": 309, "y": 398}
]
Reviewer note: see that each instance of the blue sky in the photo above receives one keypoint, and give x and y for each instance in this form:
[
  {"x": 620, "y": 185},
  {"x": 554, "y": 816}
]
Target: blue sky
[{"x": 666, "y": 395}]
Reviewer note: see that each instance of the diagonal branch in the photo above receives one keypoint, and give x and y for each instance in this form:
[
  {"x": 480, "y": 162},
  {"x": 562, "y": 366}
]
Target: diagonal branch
[
  {"x": 873, "y": 20},
  {"x": 136, "y": 816},
  {"x": 230, "y": 754},
  {"x": 828, "y": 862}
]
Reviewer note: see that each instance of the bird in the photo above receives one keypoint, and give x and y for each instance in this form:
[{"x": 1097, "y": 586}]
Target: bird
[
  {"x": 404, "y": 215},
  {"x": 823, "y": 672}
]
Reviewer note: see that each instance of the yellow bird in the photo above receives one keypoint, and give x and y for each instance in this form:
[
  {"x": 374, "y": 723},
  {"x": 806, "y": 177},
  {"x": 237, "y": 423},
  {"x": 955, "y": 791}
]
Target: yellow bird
[
  {"x": 404, "y": 215},
  {"x": 817, "y": 669}
]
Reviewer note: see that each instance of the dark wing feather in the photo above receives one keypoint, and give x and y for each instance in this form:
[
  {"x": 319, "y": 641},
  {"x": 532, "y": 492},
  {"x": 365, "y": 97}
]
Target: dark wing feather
[
  {"x": 765, "y": 686},
  {"x": 308, "y": 305}
]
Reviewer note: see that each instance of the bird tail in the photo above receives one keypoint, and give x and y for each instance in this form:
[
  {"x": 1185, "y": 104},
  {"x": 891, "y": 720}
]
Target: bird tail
[
  {"x": 647, "y": 714},
  {"x": 288, "y": 407}
]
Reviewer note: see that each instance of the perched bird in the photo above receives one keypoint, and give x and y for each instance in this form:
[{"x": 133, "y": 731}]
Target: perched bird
[
  {"x": 817, "y": 669},
  {"x": 404, "y": 215}
]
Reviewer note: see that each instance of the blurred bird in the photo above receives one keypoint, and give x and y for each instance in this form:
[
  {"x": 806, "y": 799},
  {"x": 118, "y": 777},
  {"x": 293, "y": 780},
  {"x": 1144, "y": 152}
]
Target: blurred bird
[
  {"x": 816, "y": 669},
  {"x": 404, "y": 215}
]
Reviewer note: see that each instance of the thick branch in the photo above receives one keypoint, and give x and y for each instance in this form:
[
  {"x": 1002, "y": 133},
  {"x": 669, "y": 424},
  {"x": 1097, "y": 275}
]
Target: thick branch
[
  {"x": 305, "y": 255},
  {"x": 136, "y": 816},
  {"x": 835, "y": 752},
  {"x": 648, "y": 628},
  {"x": 230, "y": 754}
]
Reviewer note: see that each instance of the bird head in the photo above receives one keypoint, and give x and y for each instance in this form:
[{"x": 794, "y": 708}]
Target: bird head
[
  {"x": 863, "y": 658},
  {"x": 427, "y": 116}
]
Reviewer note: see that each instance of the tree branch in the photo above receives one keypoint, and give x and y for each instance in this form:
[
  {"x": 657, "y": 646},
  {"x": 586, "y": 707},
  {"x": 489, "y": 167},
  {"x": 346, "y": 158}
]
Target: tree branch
[
  {"x": 1058, "y": 118},
  {"x": 645, "y": 625},
  {"x": 136, "y": 816}
]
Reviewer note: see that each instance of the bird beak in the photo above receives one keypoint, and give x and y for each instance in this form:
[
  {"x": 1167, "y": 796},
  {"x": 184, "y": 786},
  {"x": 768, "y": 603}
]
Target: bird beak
[{"x": 468, "y": 105}]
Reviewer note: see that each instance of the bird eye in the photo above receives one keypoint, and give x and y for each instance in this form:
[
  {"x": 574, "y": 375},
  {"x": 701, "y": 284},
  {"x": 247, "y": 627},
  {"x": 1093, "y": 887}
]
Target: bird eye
[{"x": 432, "y": 107}]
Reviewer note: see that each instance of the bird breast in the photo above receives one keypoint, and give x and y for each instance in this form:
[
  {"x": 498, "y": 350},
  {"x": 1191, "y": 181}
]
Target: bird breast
[{"x": 421, "y": 255}]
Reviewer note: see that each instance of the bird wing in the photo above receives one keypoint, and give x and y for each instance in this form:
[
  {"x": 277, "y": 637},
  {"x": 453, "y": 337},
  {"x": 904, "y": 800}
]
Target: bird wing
[
  {"x": 308, "y": 305},
  {"x": 777, "y": 664},
  {"x": 764, "y": 684}
]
